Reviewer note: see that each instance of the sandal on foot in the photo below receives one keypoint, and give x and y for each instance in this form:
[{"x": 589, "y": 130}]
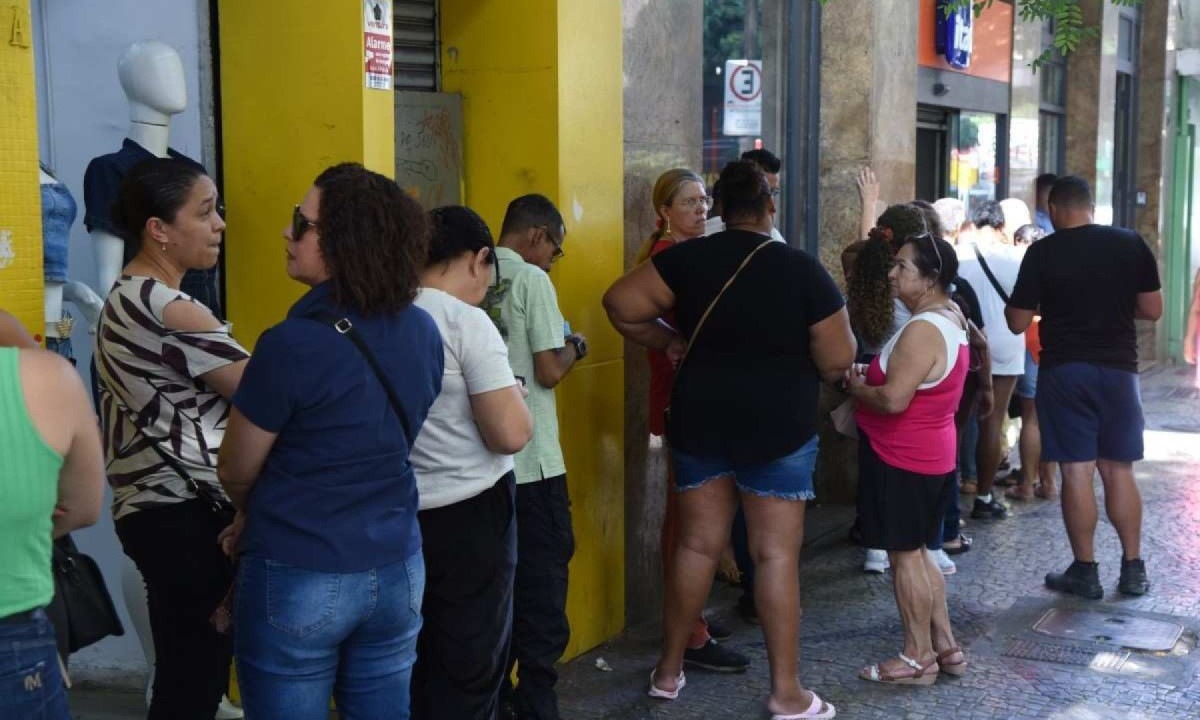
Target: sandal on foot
[
  {"x": 957, "y": 669},
  {"x": 1041, "y": 492},
  {"x": 657, "y": 692},
  {"x": 917, "y": 675},
  {"x": 814, "y": 711},
  {"x": 1017, "y": 493},
  {"x": 963, "y": 544},
  {"x": 968, "y": 487}
]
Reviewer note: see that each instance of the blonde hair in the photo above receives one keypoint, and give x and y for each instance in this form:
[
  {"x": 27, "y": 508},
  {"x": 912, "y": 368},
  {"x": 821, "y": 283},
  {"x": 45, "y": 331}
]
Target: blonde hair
[{"x": 665, "y": 189}]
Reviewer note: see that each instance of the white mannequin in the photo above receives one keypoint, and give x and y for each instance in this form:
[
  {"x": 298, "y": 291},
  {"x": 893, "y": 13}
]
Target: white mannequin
[
  {"x": 151, "y": 75},
  {"x": 81, "y": 295},
  {"x": 54, "y": 290}
]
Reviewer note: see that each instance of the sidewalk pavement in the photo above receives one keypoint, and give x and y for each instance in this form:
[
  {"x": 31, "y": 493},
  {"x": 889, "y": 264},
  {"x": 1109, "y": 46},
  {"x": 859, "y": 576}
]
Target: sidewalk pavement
[{"x": 850, "y": 619}]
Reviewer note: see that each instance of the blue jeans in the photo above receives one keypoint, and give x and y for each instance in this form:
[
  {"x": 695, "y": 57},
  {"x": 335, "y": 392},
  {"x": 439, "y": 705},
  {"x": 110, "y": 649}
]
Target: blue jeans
[
  {"x": 966, "y": 453},
  {"x": 302, "y": 636},
  {"x": 31, "y": 686}
]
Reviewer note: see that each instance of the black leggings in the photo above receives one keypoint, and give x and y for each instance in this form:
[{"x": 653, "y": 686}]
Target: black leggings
[{"x": 187, "y": 576}]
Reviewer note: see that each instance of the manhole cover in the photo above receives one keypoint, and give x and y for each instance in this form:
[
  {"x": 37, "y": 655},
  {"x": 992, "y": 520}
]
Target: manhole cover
[
  {"x": 1067, "y": 655},
  {"x": 1111, "y": 629}
]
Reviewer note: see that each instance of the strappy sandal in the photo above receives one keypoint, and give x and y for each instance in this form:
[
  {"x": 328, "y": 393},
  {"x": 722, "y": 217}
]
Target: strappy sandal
[
  {"x": 657, "y": 692},
  {"x": 957, "y": 669},
  {"x": 814, "y": 710},
  {"x": 918, "y": 675}
]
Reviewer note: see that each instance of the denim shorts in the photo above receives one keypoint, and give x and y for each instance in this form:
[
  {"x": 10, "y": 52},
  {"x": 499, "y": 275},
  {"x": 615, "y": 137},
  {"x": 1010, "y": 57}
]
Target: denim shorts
[
  {"x": 1090, "y": 412},
  {"x": 789, "y": 477},
  {"x": 1027, "y": 383},
  {"x": 30, "y": 683}
]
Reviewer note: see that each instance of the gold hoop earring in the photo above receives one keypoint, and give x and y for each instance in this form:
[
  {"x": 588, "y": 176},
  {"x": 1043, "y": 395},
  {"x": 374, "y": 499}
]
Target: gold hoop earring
[{"x": 666, "y": 227}]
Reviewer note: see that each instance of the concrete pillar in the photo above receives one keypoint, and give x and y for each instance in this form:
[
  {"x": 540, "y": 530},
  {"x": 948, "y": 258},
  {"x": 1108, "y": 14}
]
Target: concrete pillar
[
  {"x": 663, "y": 108},
  {"x": 20, "y": 203},
  {"x": 1091, "y": 104},
  {"x": 541, "y": 86},
  {"x": 290, "y": 107},
  {"x": 868, "y": 117},
  {"x": 1155, "y": 79}
]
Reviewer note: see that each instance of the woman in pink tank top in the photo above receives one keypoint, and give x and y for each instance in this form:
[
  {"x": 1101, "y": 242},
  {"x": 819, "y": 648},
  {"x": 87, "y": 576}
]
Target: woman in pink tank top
[{"x": 906, "y": 400}]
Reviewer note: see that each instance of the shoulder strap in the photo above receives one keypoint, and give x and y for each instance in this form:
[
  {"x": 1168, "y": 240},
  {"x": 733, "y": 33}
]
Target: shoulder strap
[
  {"x": 991, "y": 277},
  {"x": 343, "y": 326},
  {"x": 711, "y": 305}
]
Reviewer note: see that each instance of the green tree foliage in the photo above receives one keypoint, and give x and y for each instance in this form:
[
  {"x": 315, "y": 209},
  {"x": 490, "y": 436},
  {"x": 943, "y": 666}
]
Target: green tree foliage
[{"x": 724, "y": 21}]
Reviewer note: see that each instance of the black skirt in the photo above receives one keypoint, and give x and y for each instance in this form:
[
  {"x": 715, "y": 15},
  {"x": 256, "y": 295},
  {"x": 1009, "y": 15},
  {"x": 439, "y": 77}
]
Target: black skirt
[{"x": 898, "y": 510}]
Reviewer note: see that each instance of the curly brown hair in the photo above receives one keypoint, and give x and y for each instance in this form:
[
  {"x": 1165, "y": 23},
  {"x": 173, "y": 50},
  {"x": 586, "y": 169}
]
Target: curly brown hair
[
  {"x": 374, "y": 239},
  {"x": 869, "y": 294}
]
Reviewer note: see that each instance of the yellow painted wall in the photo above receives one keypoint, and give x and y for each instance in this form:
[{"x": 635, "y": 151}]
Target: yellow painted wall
[
  {"x": 293, "y": 102},
  {"x": 541, "y": 84},
  {"x": 21, "y": 289}
]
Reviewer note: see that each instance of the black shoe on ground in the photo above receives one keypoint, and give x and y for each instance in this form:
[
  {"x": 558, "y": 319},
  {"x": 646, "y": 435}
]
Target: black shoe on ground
[
  {"x": 718, "y": 631},
  {"x": 712, "y": 656},
  {"x": 1133, "y": 577},
  {"x": 747, "y": 611},
  {"x": 1082, "y": 579},
  {"x": 992, "y": 510}
]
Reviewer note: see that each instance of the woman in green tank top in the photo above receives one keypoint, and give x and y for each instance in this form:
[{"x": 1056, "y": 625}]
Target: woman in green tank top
[{"x": 51, "y": 482}]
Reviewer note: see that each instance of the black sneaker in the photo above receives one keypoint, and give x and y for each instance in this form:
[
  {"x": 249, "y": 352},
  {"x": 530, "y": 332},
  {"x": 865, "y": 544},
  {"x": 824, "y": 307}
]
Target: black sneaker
[
  {"x": 1082, "y": 579},
  {"x": 1133, "y": 577},
  {"x": 993, "y": 510},
  {"x": 718, "y": 631},
  {"x": 712, "y": 656}
]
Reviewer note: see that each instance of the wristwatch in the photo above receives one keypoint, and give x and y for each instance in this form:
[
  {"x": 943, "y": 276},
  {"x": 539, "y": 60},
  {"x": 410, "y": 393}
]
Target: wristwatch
[{"x": 580, "y": 346}]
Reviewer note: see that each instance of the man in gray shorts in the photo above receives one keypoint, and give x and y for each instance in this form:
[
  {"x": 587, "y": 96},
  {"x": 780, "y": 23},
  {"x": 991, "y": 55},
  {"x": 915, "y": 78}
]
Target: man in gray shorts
[{"x": 1090, "y": 282}]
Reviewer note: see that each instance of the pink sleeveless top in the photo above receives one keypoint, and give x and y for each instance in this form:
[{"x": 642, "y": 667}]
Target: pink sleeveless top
[{"x": 922, "y": 439}]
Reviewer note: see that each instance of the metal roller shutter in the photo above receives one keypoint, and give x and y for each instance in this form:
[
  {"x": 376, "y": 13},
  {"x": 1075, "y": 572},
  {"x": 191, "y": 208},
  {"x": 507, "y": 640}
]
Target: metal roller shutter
[{"x": 415, "y": 66}]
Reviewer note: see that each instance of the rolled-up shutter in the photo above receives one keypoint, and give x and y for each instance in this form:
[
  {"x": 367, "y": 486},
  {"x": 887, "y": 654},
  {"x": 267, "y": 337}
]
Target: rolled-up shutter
[{"x": 415, "y": 66}]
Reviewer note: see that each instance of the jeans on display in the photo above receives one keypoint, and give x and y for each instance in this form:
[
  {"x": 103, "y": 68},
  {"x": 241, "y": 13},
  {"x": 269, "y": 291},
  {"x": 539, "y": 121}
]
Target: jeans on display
[
  {"x": 31, "y": 686},
  {"x": 302, "y": 636}
]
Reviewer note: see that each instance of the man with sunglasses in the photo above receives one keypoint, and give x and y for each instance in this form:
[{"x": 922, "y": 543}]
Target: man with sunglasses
[{"x": 541, "y": 353}]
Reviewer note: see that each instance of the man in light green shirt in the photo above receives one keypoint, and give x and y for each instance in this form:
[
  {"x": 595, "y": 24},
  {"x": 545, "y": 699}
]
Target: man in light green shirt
[{"x": 524, "y": 306}]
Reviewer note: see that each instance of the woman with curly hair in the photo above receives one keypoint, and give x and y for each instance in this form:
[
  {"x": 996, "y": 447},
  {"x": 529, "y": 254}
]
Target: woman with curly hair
[{"x": 316, "y": 460}]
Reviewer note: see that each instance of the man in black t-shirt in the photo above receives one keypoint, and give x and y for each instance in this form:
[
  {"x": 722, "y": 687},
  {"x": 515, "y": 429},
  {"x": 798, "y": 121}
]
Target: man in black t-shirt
[{"x": 1089, "y": 282}]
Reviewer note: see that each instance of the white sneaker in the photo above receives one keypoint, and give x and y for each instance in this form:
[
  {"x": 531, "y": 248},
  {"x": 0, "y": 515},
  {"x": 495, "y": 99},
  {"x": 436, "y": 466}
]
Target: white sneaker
[
  {"x": 228, "y": 711},
  {"x": 944, "y": 563},
  {"x": 877, "y": 561}
]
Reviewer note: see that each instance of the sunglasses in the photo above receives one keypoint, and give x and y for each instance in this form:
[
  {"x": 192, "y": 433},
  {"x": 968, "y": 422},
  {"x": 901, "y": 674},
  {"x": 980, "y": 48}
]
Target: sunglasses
[
  {"x": 932, "y": 243},
  {"x": 300, "y": 224}
]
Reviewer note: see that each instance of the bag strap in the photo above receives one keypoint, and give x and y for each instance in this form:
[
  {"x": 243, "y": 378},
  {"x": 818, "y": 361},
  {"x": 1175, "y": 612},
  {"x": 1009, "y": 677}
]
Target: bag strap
[
  {"x": 711, "y": 305},
  {"x": 343, "y": 326},
  {"x": 991, "y": 277}
]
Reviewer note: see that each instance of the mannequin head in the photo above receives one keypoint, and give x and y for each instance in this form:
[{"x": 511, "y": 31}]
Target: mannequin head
[{"x": 151, "y": 75}]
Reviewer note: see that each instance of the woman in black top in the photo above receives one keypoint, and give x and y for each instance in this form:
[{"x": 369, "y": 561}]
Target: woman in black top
[{"x": 767, "y": 325}]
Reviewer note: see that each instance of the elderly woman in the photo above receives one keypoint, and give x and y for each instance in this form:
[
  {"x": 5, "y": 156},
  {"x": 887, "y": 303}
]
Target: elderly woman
[
  {"x": 907, "y": 398},
  {"x": 167, "y": 368},
  {"x": 680, "y": 204},
  {"x": 765, "y": 324},
  {"x": 464, "y": 466},
  {"x": 316, "y": 459}
]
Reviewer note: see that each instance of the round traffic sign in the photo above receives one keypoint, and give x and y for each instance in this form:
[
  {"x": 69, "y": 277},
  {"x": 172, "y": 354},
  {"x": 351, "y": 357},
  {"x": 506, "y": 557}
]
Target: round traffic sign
[{"x": 745, "y": 82}]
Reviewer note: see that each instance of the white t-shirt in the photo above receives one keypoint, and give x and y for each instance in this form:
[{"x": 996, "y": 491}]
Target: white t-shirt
[
  {"x": 716, "y": 224},
  {"x": 1006, "y": 349},
  {"x": 450, "y": 459}
]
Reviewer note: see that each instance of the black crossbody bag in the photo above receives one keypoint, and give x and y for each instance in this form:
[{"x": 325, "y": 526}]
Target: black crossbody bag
[{"x": 990, "y": 276}]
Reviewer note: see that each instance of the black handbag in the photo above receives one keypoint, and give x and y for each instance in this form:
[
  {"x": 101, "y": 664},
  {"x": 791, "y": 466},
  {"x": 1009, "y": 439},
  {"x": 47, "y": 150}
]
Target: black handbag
[{"x": 79, "y": 587}]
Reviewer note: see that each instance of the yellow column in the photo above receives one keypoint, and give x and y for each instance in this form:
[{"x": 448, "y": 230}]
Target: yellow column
[
  {"x": 294, "y": 101},
  {"x": 21, "y": 284},
  {"x": 541, "y": 84}
]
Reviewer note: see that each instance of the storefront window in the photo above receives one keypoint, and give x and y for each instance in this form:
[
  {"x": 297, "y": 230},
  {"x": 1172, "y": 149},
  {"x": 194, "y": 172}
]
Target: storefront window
[
  {"x": 974, "y": 159},
  {"x": 733, "y": 82}
]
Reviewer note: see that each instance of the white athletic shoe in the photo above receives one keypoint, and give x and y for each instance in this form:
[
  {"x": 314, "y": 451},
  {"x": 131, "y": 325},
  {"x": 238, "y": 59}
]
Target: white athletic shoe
[
  {"x": 944, "y": 563},
  {"x": 877, "y": 561},
  {"x": 228, "y": 711}
]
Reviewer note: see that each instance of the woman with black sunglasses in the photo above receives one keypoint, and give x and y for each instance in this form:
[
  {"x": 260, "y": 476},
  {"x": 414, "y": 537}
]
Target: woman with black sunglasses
[
  {"x": 907, "y": 398},
  {"x": 463, "y": 460}
]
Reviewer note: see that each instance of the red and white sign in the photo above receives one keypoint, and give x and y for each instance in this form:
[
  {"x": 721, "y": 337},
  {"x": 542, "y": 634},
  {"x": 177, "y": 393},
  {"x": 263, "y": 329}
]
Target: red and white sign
[
  {"x": 377, "y": 43},
  {"x": 743, "y": 97}
]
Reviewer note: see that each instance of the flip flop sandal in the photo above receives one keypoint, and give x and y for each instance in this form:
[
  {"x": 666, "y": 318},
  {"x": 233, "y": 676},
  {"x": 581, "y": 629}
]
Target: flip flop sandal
[
  {"x": 918, "y": 675},
  {"x": 657, "y": 692},
  {"x": 813, "y": 711},
  {"x": 957, "y": 669},
  {"x": 964, "y": 545}
]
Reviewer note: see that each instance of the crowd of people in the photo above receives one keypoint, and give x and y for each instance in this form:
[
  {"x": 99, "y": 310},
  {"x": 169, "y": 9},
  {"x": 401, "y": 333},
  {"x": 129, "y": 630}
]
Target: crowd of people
[{"x": 373, "y": 504}]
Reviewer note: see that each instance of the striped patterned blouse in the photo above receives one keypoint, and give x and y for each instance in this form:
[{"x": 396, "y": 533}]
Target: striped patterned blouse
[{"x": 151, "y": 395}]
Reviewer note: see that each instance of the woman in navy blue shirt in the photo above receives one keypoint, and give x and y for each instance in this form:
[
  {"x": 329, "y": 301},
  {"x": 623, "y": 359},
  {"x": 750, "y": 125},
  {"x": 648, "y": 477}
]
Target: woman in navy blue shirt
[{"x": 315, "y": 458}]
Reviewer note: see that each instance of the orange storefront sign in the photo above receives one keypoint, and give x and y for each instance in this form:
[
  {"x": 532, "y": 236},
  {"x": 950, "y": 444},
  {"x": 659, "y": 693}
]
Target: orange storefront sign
[{"x": 991, "y": 53}]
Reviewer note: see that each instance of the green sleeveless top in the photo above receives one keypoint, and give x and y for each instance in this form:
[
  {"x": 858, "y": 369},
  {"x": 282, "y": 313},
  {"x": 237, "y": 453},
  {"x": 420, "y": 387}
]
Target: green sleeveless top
[{"x": 28, "y": 494}]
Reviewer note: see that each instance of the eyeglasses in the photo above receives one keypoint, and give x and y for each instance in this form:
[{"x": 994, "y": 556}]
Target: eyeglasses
[
  {"x": 300, "y": 224},
  {"x": 693, "y": 202},
  {"x": 776, "y": 192},
  {"x": 557, "y": 243}
]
